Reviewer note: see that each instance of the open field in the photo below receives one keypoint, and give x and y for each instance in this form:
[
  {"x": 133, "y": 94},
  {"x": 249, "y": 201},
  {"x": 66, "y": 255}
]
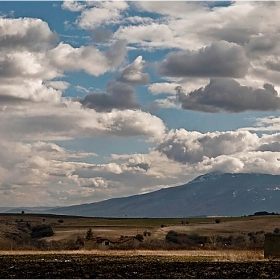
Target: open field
[
  {"x": 113, "y": 228},
  {"x": 14, "y": 233}
]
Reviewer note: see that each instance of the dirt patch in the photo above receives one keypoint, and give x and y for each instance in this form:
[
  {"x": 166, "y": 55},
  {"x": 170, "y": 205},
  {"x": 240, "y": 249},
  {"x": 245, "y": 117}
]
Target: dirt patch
[{"x": 135, "y": 267}]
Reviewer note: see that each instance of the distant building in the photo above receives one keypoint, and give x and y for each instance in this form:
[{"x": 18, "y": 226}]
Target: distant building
[
  {"x": 126, "y": 242},
  {"x": 272, "y": 246},
  {"x": 98, "y": 243}
]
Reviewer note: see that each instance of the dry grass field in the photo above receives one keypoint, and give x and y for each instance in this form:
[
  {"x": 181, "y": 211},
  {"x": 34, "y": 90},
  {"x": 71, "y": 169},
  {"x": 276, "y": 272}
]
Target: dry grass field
[
  {"x": 208, "y": 227},
  {"x": 182, "y": 255},
  {"x": 67, "y": 228}
]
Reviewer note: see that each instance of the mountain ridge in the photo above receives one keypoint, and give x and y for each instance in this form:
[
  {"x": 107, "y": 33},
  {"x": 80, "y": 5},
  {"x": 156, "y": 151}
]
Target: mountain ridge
[
  {"x": 215, "y": 193},
  {"x": 210, "y": 194}
]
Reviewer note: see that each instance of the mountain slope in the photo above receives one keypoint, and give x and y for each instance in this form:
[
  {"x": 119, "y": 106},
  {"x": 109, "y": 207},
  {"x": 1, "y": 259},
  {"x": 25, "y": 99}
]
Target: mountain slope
[{"x": 223, "y": 194}]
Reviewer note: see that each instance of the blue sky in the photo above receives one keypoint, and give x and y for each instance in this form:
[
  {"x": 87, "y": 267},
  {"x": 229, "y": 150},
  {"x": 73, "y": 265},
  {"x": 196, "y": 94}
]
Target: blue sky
[{"x": 110, "y": 99}]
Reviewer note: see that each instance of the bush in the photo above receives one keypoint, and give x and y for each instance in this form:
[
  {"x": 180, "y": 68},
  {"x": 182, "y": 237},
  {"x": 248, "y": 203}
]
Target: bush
[
  {"x": 139, "y": 237},
  {"x": 182, "y": 238},
  {"x": 239, "y": 240},
  {"x": 172, "y": 236},
  {"x": 276, "y": 230},
  {"x": 217, "y": 221},
  {"x": 41, "y": 231}
]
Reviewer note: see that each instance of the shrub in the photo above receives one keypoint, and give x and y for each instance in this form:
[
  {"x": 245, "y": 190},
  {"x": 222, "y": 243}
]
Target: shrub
[
  {"x": 276, "y": 230},
  {"x": 79, "y": 242},
  {"x": 239, "y": 240},
  {"x": 197, "y": 239},
  {"x": 172, "y": 236},
  {"x": 182, "y": 238},
  {"x": 41, "y": 231},
  {"x": 139, "y": 237},
  {"x": 60, "y": 221},
  {"x": 217, "y": 221}
]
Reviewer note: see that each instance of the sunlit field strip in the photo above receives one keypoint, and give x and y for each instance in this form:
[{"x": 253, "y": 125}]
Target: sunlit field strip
[{"x": 187, "y": 255}]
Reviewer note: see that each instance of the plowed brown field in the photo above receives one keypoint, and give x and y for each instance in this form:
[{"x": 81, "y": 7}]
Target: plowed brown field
[{"x": 135, "y": 266}]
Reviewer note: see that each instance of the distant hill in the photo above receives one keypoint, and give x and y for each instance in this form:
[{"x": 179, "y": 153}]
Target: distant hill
[
  {"x": 221, "y": 194},
  {"x": 4, "y": 209},
  {"x": 17, "y": 210}
]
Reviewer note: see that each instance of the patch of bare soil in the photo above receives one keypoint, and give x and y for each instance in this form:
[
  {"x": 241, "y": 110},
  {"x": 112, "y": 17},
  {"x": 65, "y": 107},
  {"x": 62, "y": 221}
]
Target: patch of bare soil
[{"x": 135, "y": 267}]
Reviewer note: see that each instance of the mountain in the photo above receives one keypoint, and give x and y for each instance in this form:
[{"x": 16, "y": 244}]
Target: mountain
[
  {"x": 221, "y": 194},
  {"x": 5, "y": 209}
]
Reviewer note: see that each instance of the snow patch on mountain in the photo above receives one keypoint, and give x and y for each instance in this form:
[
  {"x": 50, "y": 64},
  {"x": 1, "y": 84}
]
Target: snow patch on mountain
[{"x": 207, "y": 177}]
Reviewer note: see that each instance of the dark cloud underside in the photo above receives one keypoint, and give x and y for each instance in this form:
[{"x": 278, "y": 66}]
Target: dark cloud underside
[
  {"x": 118, "y": 96},
  {"x": 228, "y": 95},
  {"x": 220, "y": 59}
]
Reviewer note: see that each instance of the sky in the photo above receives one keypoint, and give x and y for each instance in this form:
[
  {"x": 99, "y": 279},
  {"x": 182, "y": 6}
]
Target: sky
[{"x": 110, "y": 99}]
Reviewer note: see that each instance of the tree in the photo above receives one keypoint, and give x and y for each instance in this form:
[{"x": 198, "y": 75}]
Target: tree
[{"x": 89, "y": 234}]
